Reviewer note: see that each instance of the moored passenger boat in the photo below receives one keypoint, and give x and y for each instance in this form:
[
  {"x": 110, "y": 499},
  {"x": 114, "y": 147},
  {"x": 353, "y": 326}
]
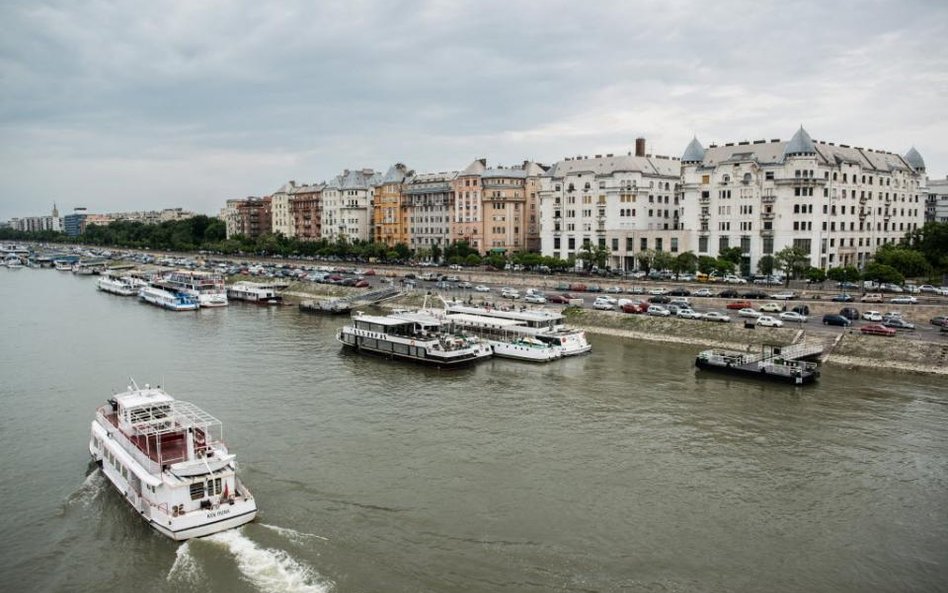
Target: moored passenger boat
[
  {"x": 122, "y": 286},
  {"x": 206, "y": 287},
  {"x": 254, "y": 292},
  {"x": 547, "y": 326},
  {"x": 507, "y": 338},
  {"x": 771, "y": 368},
  {"x": 412, "y": 336},
  {"x": 167, "y": 299},
  {"x": 168, "y": 459}
]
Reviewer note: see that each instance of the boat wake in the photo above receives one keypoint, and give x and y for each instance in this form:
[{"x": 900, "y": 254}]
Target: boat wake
[
  {"x": 90, "y": 489},
  {"x": 269, "y": 569},
  {"x": 297, "y": 537},
  {"x": 185, "y": 568}
]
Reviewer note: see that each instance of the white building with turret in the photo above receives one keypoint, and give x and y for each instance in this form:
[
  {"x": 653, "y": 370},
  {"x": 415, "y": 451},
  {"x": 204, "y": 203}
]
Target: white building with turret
[{"x": 838, "y": 203}]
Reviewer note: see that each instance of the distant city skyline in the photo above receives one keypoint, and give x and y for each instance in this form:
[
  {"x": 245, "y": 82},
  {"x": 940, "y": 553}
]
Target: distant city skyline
[{"x": 122, "y": 107}]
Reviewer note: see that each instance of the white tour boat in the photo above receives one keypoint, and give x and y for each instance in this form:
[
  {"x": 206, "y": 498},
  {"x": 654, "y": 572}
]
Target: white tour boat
[
  {"x": 123, "y": 286},
  {"x": 412, "y": 336},
  {"x": 167, "y": 299},
  {"x": 254, "y": 292},
  {"x": 63, "y": 265},
  {"x": 207, "y": 287},
  {"x": 507, "y": 338},
  {"x": 13, "y": 261},
  {"x": 168, "y": 459},
  {"x": 546, "y": 326}
]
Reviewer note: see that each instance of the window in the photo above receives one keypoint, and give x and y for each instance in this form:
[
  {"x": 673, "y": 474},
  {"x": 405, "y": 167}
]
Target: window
[
  {"x": 643, "y": 242},
  {"x": 615, "y": 244},
  {"x": 629, "y": 244},
  {"x": 674, "y": 244},
  {"x": 723, "y": 243},
  {"x": 197, "y": 490},
  {"x": 702, "y": 244}
]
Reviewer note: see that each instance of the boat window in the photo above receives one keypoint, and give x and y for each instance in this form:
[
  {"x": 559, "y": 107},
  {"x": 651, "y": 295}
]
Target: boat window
[{"x": 197, "y": 490}]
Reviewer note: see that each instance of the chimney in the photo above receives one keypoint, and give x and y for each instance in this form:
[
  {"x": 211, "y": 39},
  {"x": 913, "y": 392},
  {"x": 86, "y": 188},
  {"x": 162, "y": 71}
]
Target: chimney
[{"x": 640, "y": 147}]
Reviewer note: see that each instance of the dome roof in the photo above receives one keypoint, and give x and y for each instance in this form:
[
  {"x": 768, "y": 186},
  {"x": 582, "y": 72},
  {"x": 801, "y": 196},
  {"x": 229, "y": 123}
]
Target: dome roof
[
  {"x": 801, "y": 143},
  {"x": 694, "y": 153},
  {"x": 914, "y": 159}
]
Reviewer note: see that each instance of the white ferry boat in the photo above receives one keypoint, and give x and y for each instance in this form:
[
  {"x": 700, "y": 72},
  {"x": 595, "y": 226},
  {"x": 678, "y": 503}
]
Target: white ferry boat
[
  {"x": 13, "y": 262},
  {"x": 168, "y": 459},
  {"x": 412, "y": 336},
  {"x": 123, "y": 286},
  {"x": 506, "y": 337},
  {"x": 167, "y": 299},
  {"x": 543, "y": 325},
  {"x": 63, "y": 266},
  {"x": 254, "y": 292},
  {"x": 207, "y": 287}
]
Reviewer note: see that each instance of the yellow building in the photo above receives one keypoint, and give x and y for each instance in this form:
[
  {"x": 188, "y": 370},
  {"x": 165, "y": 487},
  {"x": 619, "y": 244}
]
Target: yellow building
[{"x": 390, "y": 209}]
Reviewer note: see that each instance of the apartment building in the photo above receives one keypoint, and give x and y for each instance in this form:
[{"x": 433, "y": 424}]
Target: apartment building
[
  {"x": 391, "y": 208},
  {"x": 623, "y": 203},
  {"x": 837, "y": 202},
  {"x": 430, "y": 199},
  {"x": 936, "y": 200},
  {"x": 253, "y": 217},
  {"x": 306, "y": 211},
  {"x": 467, "y": 222},
  {"x": 347, "y": 205},
  {"x": 281, "y": 218}
]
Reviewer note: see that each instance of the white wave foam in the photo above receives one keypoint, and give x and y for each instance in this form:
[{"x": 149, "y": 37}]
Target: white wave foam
[
  {"x": 90, "y": 489},
  {"x": 292, "y": 534},
  {"x": 269, "y": 570},
  {"x": 185, "y": 568}
]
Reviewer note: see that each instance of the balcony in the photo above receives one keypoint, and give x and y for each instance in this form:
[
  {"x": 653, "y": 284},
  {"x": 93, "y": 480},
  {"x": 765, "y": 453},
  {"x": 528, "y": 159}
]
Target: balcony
[
  {"x": 768, "y": 198},
  {"x": 767, "y": 215},
  {"x": 766, "y": 232},
  {"x": 704, "y": 201}
]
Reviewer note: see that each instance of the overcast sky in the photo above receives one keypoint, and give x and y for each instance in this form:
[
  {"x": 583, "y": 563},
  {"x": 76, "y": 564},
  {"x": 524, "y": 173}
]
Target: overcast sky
[{"x": 145, "y": 105}]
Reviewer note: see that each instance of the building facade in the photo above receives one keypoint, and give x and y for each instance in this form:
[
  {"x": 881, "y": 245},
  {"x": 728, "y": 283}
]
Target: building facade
[
  {"x": 837, "y": 203},
  {"x": 467, "y": 221},
  {"x": 390, "y": 207},
  {"x": 347, "y": 205},
  {"x": 509, "y": 208},
  {"x": 622, "y": 203},
  {"x": 430, "y": 199},
  {"x": 74, "y": 224},
  {"x": 280, "y": 216},
  {"x": 253, "y": 217},
  {"x": 936, "y": 201},
  {"x": 306, "y": 211}
]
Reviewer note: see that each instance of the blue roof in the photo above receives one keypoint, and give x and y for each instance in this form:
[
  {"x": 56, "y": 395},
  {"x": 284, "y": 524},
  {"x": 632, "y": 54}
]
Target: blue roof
[
  {"x": 801, "y": 143},
  {"x": 694, "y": 153},
  {"x": 914, "y": 159}
]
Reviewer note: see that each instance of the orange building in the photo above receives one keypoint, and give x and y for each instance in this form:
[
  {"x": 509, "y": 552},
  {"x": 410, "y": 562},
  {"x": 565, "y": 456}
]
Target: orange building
[
  {"x": 466, "y": 221},
  {"x": 390, "y": 208},
  {"x": 306, "y": 211}
]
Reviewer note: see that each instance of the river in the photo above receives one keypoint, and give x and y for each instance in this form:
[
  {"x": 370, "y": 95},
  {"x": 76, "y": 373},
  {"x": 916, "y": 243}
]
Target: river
[{"x": 622, "y": 470}]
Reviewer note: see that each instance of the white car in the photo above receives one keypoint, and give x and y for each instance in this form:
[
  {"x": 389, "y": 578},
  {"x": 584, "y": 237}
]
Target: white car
[
  {"x": 872, "y": 316},
  {"x": 689, "y": 314},
  {"x": 768, "y": 321},
  {"x": 603, "y": 305},
  {"x": 784, "y": 296},
  {"x": 716, "y": 316},
  {"x": 614, "y": 290},
  {"x": 464, "y": 285},
  {"x": 658, "y": 311},
  {"x": 657, "y": 291},
  {"x": 904, "y": 300},
  {"x": 771, "y": 307},
  {"x": 510, "y": 293},
  {"x": 536, "y": 299},
  {"x": 793, "y": 316},
  {"x": 606, "y": 299},
  {"x": 748, "y": 312},
  {"x": 732, "y": 279},
  {"x": 703, "y": 292},
  {"x": 482, "y": 288}
]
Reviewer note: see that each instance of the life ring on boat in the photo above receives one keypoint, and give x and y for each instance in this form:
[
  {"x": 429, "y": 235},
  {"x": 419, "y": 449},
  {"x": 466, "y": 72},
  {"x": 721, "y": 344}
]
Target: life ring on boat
[{"x": 413, "y": 342}]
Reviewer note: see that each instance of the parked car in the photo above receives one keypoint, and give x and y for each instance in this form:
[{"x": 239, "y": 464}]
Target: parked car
[
  {"x": 939, "y": 320},
  {"x": 768, "y": 321},
  {"x": 658, "y": 291},
  {"x": 877, "y": 330},
  {"x": 716, "y": 316},
  {"x": 732, "y": 279},
  {"x": 754, "y": 294},
  {"x": 749, "y": 312},
  {"x": 904, "y": 300},
  {"x": 535, "y": 299},
  {"x": 510, "y": 293},
  {"x": 614, "y": 290},
  {"x": 847, "y": 286},
  {"x": 680, "y": 292},
  {"x": 898, "y": 323},
  {"x": 840, "y": 320},
  {"x": 784, "y": 296},
  {"x": 850, "y": 313},
  {"x": 702, "y": 292},
  {"x": 771, "y": 308},
  {"x": 659, "y": 299},
  {"x": 738, "y": 305},
  {"x": 872, "y": 297},
  {"x": 635, "y": 308},
  {"x": 793, "y": 317},
  {"x": 658, "y": 311},
  {"x": 559, "y": 299},
  {"x": 604, "y": 305},
  {"x": 689, "y": 314},
  {"x": 801, "y": 309},
  {"x": 872, "y": 316},
  {"x": 843, "y": 298},
  {"x": 482, "y": 288},
  {"x": 729, "y": 293},
  {"x": 465, "y": 285},
  {"x": 681, "y": 302}
]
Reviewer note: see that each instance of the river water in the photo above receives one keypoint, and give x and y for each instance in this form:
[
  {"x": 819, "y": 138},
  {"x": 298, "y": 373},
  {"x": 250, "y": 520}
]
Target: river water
[{"x": 623, "y": 470}]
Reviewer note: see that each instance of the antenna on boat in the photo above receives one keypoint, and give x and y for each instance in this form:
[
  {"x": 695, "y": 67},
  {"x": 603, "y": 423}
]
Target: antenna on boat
[{"x": 133, "y": 384}]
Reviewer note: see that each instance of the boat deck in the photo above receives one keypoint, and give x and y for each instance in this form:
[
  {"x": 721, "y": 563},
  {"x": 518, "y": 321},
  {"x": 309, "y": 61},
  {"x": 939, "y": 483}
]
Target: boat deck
[{"x": 162, "y": 448}]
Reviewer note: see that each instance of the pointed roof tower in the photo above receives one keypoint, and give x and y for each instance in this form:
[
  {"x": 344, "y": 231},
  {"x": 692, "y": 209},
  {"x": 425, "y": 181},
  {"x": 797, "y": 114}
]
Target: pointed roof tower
[
  {"x": 914, "y": 159},
  {"x": 800, "y": 144},
  {"x": 694, "y": 153}
]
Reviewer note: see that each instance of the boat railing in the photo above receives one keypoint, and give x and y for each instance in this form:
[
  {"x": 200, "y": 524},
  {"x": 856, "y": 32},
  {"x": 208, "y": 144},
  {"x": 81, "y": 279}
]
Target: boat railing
[{"x": 131, "y": 448}]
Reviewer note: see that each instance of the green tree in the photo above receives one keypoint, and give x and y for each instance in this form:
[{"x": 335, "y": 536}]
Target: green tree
[
  {"x": 765, "y": 265},
  {"x": 882, "y": 273},
  {"x": 843, "y": 274},
  {"x": 791, "y": 261},
  {"x": 707, "y": 264},
  {"x": 908, "y": 262},
  {"x": 816, "y": 275},
  {"x": 646, "y": 259},
  {"x": 931, "y": 241},
  {"x": 436, "y": 252},
  {"x": 663, "y": 261},
  {"x": 472, "y": 259},
  {"x": 724, "y": 266},
  {"x": 686, "y": 262},
  {"x": 731, "y": 254}
]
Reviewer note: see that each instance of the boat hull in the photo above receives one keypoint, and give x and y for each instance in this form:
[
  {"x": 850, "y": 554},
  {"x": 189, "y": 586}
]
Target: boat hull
[
  {"x": 757, "y": 373},
  {"x": 425, "y": 359}
]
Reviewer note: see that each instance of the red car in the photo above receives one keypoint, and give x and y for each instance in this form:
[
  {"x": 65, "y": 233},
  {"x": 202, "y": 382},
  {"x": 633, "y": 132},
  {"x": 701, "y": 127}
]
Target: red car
[
  {"x": 738, "y": 305},
  {"x": 361, "y": 284},
  {"x": 635, "y": 308},
  {"x": 878, "y": 330},
  {"x": 559, "y": 299}
]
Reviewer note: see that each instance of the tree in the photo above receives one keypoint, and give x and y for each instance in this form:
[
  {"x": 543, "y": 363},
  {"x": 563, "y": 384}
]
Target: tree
[
  {"x": 663, "y": 261},
  {"x": 882, "y": 273},
  {"x": 686, "y": 262},
  {"x": 436, "y": 252},
  {"x": 816, "y": 275},
  {"x": 731, "y": 254},
  {"x": 931, "y": 241},
  {"x": 843, "y": 274},
  {"x": 791, "y": 260},
  {"x": 765, "y": 265},
  {"x": 908, "y": 262},
  {"x": 472, "y": 259},
  {"x": 724, "y": 266},
  {"x": 707, "y": 264},
  {"x": 646, "y": 259}
]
